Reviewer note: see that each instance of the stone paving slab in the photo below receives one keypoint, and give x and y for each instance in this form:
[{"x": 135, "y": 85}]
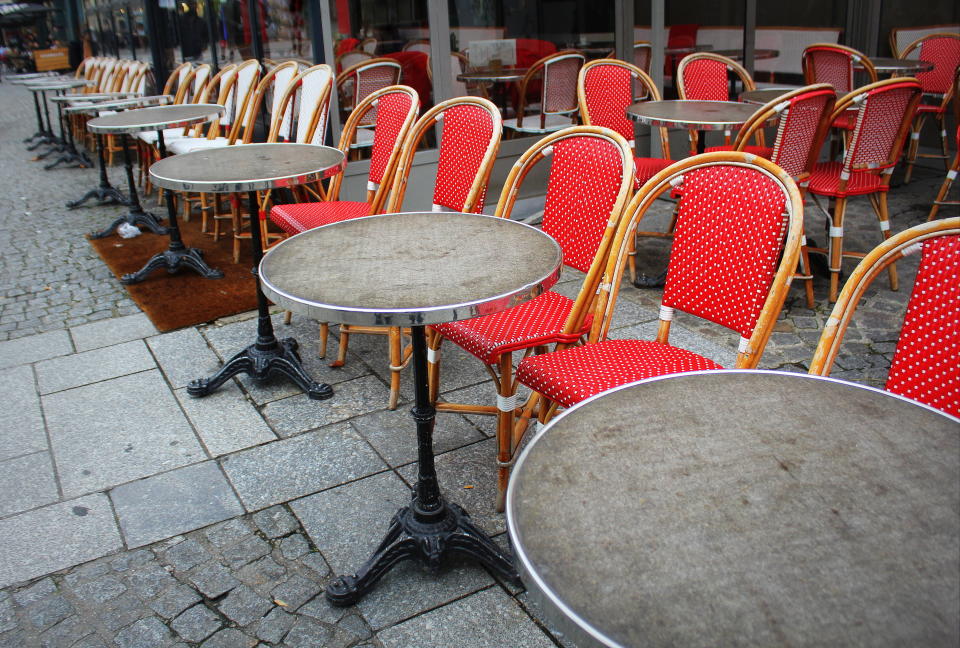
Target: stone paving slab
[
  {"x": 172, "y": 503},
  {"x": 34, "y": 348},
  {"x": 93, "y": 366},
  {"x": 225, "y": 420},
  {"x": 295, "y": 414},
  {"x": 27, "y": 482},
  {"x": 112, "y": 331},
  {"x": 183, "y": 356},
  {"x": 116, "y": 431},
  {"x": 54, "y": 537},
  {"x": 23, "y": 430},
  {"x": 288, "y": 469}
]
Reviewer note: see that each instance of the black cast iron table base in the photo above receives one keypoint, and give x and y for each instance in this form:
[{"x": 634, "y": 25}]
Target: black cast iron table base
[
  {"x": 430, "y": 529},
  {"x": 136, "y": 215},
  {"x": 70, "y": 156},
  {"x": 104, "y": 194},
  {"x": 260, "y": 361},
  {"x": 267, "y": 356}
]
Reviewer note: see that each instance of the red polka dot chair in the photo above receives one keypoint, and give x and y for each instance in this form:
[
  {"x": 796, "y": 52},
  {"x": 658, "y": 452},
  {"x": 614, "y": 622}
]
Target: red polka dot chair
[
  {"x": 884, "y": 111},
  {"x": 803, "y": 121},
  {"x": 605, "y": 89},
  {"x": 468, "y": 145},
  {"x": 926, "y": 363},
  {"x": 704, "y": 76},
  {"x": 736, "y": 247},
  {"x": 837, "y": 65},
  {"x": 943, "y": 50},
  {"x": 591, "y": 176},
  {"x": 358, "y": 81},
  {"x": 556, "y": 76}
]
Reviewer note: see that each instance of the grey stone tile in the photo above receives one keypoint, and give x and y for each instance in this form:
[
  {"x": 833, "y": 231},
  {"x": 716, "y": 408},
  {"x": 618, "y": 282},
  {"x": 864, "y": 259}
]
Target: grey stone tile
[
  {"x": 212, "y": 579},
  {"x": 196, "y": 624},
  {"x": 229, "y": 638},
  {"x": 294, "y": 546},
  {"x": 150, "y": 579},
  {"x": 33, "y": 348},
  {"x": 275, "y": 625},
  {"x": 174, "y": 502},
  {"x": 100, "y": 590},
  {"x": 296, "y": 591},
  {"x": 65, "y": 633},
  {"x": 41, "y": 589},
  {"x": 55, "y": 537},
  {"x": 183, "y": 356},
  {"x": 235, "y": 336},
  {"x": 394, "y": 434},
  {"x": 174, "y": 601},
  {"x": 184, "y": 555},
  {"x": 486, "y": 619},
  {"x": 88, "y": 367},
  {"x": 228, "y": 533},
  {"x": 307, "y": 633},
  {"x": 276, "y": 522},
  {"x": 47, "y": 612},
  {"x": 244, "y": 606},
  {"x": 27, "y": 482},
  {"x": 102, "y": 434},
  {"x": 347, "y": 523},
  {"x": 225, "y": 420},
  {"x": 291, "y": 468},
  {"x": 148, "y": 632},
  {"x": 245, "y": 551},
  {"x": 468, "y": 477},
  {"x": 22, "y": 431},
  {"x": 297, "y": 414},
  {"x": 112, "y": 331}
]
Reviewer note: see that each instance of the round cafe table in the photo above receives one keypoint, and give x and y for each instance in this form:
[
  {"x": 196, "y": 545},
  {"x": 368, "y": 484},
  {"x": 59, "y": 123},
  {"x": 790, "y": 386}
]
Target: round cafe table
[
  {"x": 105, "y": 193},
  {"x": 249, "y": 168},
  {"x": 763, "y": 96},
  {"x": 491, "y": 75},
  {"x": 157, "y": 118},
  {"x": 743, "y": 508},
  {"x": 891, "y": 65},
  {"x": 64, "y": 142},
  {"x": 446, "y": 268}
]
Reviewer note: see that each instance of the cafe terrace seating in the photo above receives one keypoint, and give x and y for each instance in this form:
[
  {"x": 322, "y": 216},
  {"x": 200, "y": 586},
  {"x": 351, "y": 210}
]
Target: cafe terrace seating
[
  {"x": 883, "y": 114},
  {"x": 943, "y": 50},
  {"x": 704, "y": 77},
  {"x": 925, "y": 363},
  {"x": 836, "y": 65},
  {"x": 804, "y": 119},
  {"x": 358, "y": 81},
  {"x": 591, "y": 176},
  {"x": 556, "y": 77},
  {"x": 735, "y": 248}
]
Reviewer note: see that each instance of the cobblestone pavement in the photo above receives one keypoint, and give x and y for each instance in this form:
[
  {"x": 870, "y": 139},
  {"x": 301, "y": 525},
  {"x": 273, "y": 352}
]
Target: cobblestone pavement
[{"x": 135, "y": 516}]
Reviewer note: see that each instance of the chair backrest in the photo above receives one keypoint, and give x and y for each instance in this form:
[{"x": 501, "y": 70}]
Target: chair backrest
[
  {"x": 397, "y": 108},
  {"x": 369, "y": 45},
  {"x": 201, "y": 76},
  {"x": 834, "y": 64},
  {"x": 606, "y": 87},
  {"x": 358, "y": 81},
  {"x": 350, "y": 58},
  {"x": 642, "y": 55},
  {"x": 703, "y": 77},
  {"x": 804, "y": 122},
  {"x": 900, "y": 37},
  {"x": 557, "y": 74},
  {"x": 305, "y": 107},
  {"x": 735, "y": 248},
  {"x": 272, "y": 84},
  {"x": 421, "y": 45},
  {"x": 591, "y": 175},
  {"x": 107, "y": 78},
  {"x": 943, "y": 50},
  {"x": 177, "y": 80},
  {"x": 925, "y": 363},
  {"x": 885, "y": 110},
  {"x": 469, "y": 141},
  {"x": 248, "y": 76},
  {"x": 218, "y": 91}
]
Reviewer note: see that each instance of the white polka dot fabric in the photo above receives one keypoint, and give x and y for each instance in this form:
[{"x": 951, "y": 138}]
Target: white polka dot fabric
[
  {"x": 300, "y": 217},
  {"x": 926, "y": 364},
  {"x": 705, "y": 80},
  {"x": 825, "y": 181},
  {"x": 467, "y": 134},
  {"x": 830, "y": 65}
]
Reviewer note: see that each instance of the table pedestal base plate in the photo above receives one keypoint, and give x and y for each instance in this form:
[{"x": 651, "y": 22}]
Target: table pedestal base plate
[
  {"x": 267, "y": 356},
  {"x": 177, "y": 255},
  {"x": 106, "y": 193},
  {"x": 430, "y": 529}
]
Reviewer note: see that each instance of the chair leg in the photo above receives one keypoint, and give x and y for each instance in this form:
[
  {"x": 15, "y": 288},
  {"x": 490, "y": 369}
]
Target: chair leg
[
  {"x": 395, "y": 338},
  {"x": 837, "y": 208},
  {"x": 344, "y": 343},
  {"x": 434, "y": 341},
  {"x": 915, "y": 128},
  {"x": 632, "y": 259},
  {"x": 505, "y": 411},
  {"x": 945, "y": 187},
  {"x": 805, "y": 269},
  {"x": 880, "y": 207},
  {"x": 324, "y": 334}
]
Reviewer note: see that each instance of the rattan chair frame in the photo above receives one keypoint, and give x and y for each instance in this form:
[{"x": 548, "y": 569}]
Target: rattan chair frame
[
  {"x": 539, "y": 71},
  {"x": 882, "y": 257}
]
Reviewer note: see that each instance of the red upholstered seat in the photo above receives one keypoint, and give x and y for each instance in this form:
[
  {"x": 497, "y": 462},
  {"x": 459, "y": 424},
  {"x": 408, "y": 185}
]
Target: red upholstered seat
[
  {"x": 300, "y": 217},
  {"x": 533, "y": 323},
  {"x": 845, "y": 121},
  {"x": 825, "y": 180},
  {"x": 574, "y": 374},
  {"x": 646, "y": 168}
]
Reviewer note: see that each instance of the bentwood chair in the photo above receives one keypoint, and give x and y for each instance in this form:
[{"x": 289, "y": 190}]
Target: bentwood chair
[
  {"x": 837, "y": 65},
  {"x": 557, "y": 108},
  {"x": 420, "y": 45},
  {"x": 704, "y": 76},
  {"x": 358, "y": 81},
  {"x": 925, "y": 363},
  {"x": 943, "y": 50},
  {"x": 883, "y": 112},
  {"x": 804, "y": 119},
  {"x": 642, "y": 55},
  {"x": 748, "y": 203},
  {"x": 348, "y": 59},
  {"x": 591, "y": 177},
  {"x": 952, "y": 172},
  {"x": 468, "y": 145}
]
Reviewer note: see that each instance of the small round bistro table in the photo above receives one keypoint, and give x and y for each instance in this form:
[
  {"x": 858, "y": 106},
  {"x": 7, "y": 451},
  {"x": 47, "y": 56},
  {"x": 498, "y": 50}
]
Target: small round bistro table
[
  {"x": 737, "y": 54},
  {"x": 491, "y": 75},
  {"x": 446, "y": 268},
  {"x": 720, "y": 508},
  {"x": 891, "y": 65},
  {"x": 249, "y": 168},
  {"x": 157, "y": 118},
  {"x": 64, "y": 142},
  {"x": 763, "y": 96},
  {"x": 105, "y": 193}
]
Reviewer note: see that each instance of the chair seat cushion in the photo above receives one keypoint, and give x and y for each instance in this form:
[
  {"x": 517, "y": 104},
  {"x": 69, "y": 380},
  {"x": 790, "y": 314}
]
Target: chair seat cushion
[
  {"x": 649, "y": 167},
  {"x": 931, "y": 109},
  {"x": 845, "y": 121},
  {"x": 169, "y": 134},
  {"x": 825, "y": 181},
  {"x": 760, "y": 151},
  {"x": 187, "y": 144},
  {"x": 574, "y": 374},
  {"x": 533, "y": 323},
  {"x": 300, "y": 217},
  {"x": 531, "y": 124}
]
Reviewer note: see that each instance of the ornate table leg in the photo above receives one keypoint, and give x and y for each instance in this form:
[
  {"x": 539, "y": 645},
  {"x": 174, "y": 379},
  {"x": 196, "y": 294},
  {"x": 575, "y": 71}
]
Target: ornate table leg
[
  {"x": 136, "y": 215},
  {"x": 41, "y": 133},
  {"x": 177, "y": 255},
  {"x": 105, "y": 193},
  {"x": 56, "y": 144},
  {"x": 267, "y": 355},
  {"x": 71, "y": 154},
  {"x": 430, "y": 528}
]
